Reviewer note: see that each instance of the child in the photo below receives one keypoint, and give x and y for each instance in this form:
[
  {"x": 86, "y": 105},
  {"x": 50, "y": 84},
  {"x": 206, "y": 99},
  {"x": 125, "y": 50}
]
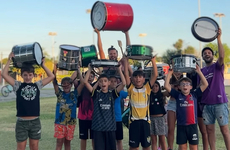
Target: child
[
  {"x": 27, "y": 103},
  {"x": 157, "y": 112},
  {"x": 139, "y": 93},
  {"x": 103, "y": 122},
  {"x": 65, "y": 117},
  {"x": 118, "y": 111},
  {"x": 186, "y": 109},
  {"x": 85, "y": 112}
]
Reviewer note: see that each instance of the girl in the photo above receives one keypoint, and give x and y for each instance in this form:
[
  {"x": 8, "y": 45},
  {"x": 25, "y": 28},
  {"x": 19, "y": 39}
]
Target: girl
[{"x": 157, "y": 112}]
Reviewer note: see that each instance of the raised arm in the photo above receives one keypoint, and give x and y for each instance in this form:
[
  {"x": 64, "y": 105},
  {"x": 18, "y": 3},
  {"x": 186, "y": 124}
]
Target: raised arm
[
  {"x": 76, "y": 74},
  {"x": 127, "y": 77},
  {"x": 99, "y": 44},
  {"x": 168, "y": 77},
  {"x": 50, "y": 75},
  {"x": 220, "y": 48},
  {"x": 127, "y": 38},
  {"x": 5, "y": 71},
  {"x": 155, "y": 72},
  {"x": 123, "y": 82},
  {"x": 87, "y": 85},
  {"x": 203, "y": 81},
  {"x": 55, "y": 83}
]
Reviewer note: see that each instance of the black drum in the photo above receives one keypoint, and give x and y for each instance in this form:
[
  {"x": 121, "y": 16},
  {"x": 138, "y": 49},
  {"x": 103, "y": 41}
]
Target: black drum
[
  {"x": 27, "y": 54},
  {"x": 205, "y": 29},
  {"x": 148, "y": 72},
  {"x": 69, "y": 57}
]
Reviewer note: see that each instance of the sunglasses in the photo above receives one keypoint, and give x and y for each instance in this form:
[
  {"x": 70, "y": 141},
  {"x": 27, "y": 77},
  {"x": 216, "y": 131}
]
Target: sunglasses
[{"x": 185, "y": 84}]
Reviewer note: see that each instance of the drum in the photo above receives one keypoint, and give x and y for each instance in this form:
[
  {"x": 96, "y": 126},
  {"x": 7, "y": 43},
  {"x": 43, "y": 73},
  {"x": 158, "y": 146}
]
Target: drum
[
  {"x": 69, "y": 57},
  {"x": 139, "y": 52},
  {"x": 88, "y": 53},
  {"x": 205, "y": 29},
  {"x": 148, "y": 72},
  {"x": 27, "y": 54},
  {"x": 111, "y": 16},
  {"x": 184, "y": 63},
  {"x": 104, "y": 63},
  {"x": 125, "y": 117}
]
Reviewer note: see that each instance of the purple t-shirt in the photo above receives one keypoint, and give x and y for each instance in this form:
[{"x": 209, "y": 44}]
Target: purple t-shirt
[{"x": 215, "y": 92}]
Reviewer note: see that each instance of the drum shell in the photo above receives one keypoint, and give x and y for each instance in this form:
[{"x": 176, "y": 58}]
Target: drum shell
[
  {"x": 148, "y": 72},
  {"x": 184, "y": 63},
  {"x": 25, "y": 54},
  {"x": 88, "y": 53},
  {"x": 139, "y": 52},
  {"x": 69, "y": 59},
  {"x": 119, "y": 17}
]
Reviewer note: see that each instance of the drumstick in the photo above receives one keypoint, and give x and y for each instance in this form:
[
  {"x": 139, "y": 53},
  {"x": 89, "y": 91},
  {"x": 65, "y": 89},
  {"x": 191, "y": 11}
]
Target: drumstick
[{"x": 120, "y": 45}]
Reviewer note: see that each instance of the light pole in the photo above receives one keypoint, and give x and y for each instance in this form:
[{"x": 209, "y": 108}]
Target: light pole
[
  {"x": 220, "y": 15},
  {"x": 88, "y": 11},
  {"x": 52, "y": 34},
  {"x": 142, "y": 35},
  {"x": 199, "y": 41}
]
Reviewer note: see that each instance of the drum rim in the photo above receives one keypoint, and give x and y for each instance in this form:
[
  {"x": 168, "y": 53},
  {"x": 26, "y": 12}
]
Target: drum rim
[
  {"x": 68, "y": 45},
  {"x": 34, "y": 52},
  {"x": 201, "y": 38},
  {"x": 178, "y": 55},
  {"x": 91, "y": 15},
  {"x": 150, "y": 47}
]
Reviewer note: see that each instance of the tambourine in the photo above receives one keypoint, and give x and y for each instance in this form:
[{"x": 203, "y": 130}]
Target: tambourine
[{"x": 205, "y": 29}]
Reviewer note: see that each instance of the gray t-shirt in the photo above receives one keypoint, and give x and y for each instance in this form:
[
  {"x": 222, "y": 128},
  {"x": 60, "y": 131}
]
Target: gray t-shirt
[{"x": 18, "y": 83}]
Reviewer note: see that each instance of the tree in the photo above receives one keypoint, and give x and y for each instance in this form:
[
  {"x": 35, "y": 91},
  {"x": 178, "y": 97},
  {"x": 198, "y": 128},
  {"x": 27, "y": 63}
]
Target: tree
[
  {"x": 189, "y": 50},
  {"x": 179, "y": 44},
  {"x": 214, "y": 47}
]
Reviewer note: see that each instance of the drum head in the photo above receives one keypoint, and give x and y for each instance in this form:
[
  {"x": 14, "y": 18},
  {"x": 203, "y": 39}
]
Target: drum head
[
  {"x": 98, "y": 15},
  {"x": 38, "y": 53},
  {"x": 139, "y": 57},
  {"x": 69, "y": 47},
  {"x": 205, "y": 29}
]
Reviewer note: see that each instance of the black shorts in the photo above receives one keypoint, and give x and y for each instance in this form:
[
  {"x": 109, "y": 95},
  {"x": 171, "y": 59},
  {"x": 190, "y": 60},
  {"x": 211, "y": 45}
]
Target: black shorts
[
  {"x": 119, "y": 131},
  {"x": 84, "y": 129},
  {"x": 139, "y": 132},
  {"x": 104, "y": 140},
  {"x": 187, "y": 133}
]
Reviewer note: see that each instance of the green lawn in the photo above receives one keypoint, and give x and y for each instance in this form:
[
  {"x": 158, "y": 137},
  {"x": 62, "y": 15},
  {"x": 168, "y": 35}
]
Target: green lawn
[{"x": 47, "y": 142}]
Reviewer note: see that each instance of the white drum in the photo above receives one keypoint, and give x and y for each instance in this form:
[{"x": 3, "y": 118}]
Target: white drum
[{"x": 184, "y": 63}]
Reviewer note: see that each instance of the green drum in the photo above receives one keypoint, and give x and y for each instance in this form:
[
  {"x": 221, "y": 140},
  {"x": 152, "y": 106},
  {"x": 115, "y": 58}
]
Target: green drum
[
  {"x": 88, "y": 53},
  {"x": 139, "y": 52}
]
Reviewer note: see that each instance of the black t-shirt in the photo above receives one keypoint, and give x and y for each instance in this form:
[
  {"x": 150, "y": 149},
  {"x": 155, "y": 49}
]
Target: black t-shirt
[
  {"x": 103, "y": 113},
  {"x": 156, "y": 105}
]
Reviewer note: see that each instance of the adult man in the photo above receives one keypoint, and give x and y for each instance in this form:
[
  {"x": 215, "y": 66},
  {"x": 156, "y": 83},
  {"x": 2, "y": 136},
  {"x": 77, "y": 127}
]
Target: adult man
[{"x": 214, "y": 97}]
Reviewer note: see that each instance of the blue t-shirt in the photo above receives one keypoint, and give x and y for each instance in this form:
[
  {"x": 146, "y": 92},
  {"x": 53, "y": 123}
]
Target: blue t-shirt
[
  {"x": 186, "y": 106},
  {"x": 117, "y": 105},
  {"x": 66, "y": 108}
]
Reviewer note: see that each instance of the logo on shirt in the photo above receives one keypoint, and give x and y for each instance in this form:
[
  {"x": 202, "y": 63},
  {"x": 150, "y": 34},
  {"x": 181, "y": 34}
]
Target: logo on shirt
[
  {"x": 105, "y": 106},
  {"x": 194, "y": 137},
  {"x": 29, "y": 92},
  {"x": 100, "y": 100},
  {"x": 186, "y": 104}
]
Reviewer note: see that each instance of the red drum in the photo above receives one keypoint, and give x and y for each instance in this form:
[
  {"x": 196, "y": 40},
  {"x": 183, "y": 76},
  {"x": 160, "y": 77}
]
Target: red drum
[{"x": 111, "y": 16}]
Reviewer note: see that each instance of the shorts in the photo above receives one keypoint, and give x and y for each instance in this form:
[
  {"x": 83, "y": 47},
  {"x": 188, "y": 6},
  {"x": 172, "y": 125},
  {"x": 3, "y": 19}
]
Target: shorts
[
  {"x": 187, "y": 133},
  {"x": 217, "y": 111},
  {"x": 119, "y": 131},
  {"x": 85, "y": 129},
  {"x": 27, "y": 128},
  {"x": 139, "y": 132},
  {"x": 171, "y": 105},
  {"x": 64, "y": 131},
  {"x": 157, "y": 126},
  {"x": 104, "y": 140}
]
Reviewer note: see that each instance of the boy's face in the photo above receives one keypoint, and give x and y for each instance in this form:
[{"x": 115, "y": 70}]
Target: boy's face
[
  {"x": 91, "y": 78},
  {"x": 27, "y": 76},
  {"x": 155, "y": 88},
  {"x": 113, "y": 83},
  {"x": 104, "y": 84},
  {"x": 185, "y": 87},
  {"x": 66, "y": 86},
  {"x": 138, "y": 81}
]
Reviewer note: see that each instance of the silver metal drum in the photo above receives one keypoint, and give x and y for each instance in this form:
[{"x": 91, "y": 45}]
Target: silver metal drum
[
  {"x": 184, "y": 63},
  {"x": 27, "y": 54},
  {"x": 69, "y": 57},
  {"x": 148, "y": 72}
]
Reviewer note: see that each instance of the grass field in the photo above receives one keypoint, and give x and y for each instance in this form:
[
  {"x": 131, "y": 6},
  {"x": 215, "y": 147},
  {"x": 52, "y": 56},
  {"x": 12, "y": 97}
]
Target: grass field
[{"x": 47, "y": 142}]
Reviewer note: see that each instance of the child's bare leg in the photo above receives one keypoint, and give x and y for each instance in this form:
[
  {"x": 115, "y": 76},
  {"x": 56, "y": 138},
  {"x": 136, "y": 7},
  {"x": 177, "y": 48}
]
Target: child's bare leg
[
  {"x": 183, "y": 146},
  {"x": 171, "y": 127},
  {"x": 67, "y": 144},
  {"x": 33, "y": 144},
  {"x": 193, "y": 147},
  {"x": 154, "y": 142},
  {"x": 59, "y": 143},
  {"x": 162, "y": 142},
  {"x": 21, "y": 145}
]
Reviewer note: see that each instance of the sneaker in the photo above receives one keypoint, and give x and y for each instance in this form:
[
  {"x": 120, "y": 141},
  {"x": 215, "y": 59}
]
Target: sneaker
[{"x": 158, "y": 148}]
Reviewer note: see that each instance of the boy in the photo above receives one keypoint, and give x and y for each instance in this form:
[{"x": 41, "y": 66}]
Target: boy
[
  {"x": 65, "y": 116},
  {"x": 27, "y": 103},
  {"x": 85, "y": 112},
  {"x": 186, "y": 109},
  {"x": 139, "y": 129},
  {"x": 103, "y": 122},
  {"x": 118, "y": 111}
]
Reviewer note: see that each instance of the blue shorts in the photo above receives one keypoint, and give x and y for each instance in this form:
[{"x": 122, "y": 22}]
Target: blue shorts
[
  {"x": 217, "y": 111},
  {"x": 171, "y": 105}
]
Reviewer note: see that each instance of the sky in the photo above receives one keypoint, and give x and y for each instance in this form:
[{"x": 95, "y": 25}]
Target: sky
[{"x": 164, "y": 22}]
